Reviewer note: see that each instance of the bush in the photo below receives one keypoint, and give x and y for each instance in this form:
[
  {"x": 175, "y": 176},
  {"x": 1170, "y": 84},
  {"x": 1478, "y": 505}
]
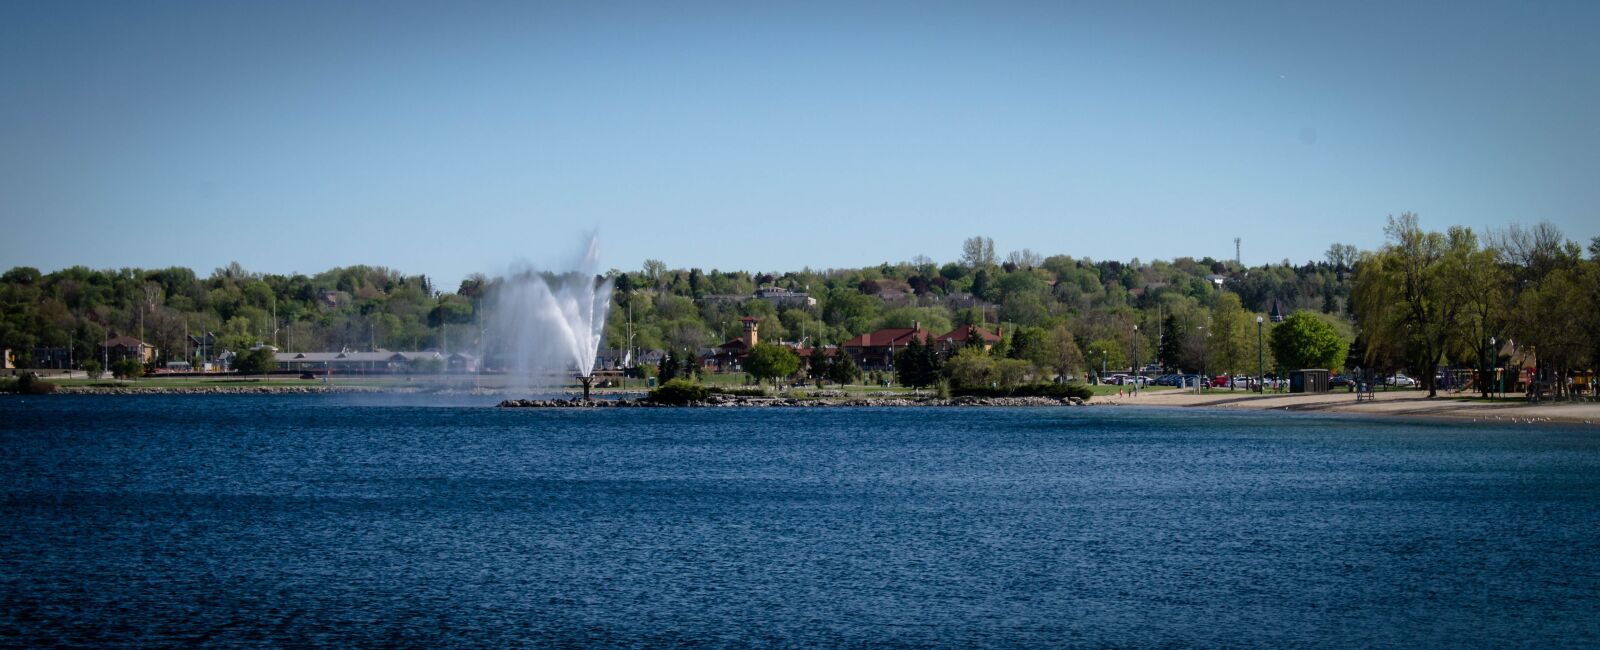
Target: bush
[
  {"x": 28, "y": 384},
  {"x": 92, "y": 368},
  {"x": 127, "y": 368},
  {"x": 679, "y": 392},
  {"x": 1057, "y": 391}
]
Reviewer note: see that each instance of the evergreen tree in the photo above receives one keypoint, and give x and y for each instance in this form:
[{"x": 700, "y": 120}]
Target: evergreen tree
[
  {"x": 1170, "y": 352},
  {"x": 843, "y": 369},
  {"x": 669, "y": 368},
  {"x": 818, "y": 366}
]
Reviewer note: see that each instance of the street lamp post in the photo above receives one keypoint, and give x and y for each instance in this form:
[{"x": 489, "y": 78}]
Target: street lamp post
[
  {"x": 1261, "y": 360},
  {"x": 1495, "y": 360},
  {"x": 1137, "y": 375}
]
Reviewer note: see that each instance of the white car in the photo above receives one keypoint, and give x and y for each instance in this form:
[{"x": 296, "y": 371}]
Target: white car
[{"x": 1399, "y": 379}]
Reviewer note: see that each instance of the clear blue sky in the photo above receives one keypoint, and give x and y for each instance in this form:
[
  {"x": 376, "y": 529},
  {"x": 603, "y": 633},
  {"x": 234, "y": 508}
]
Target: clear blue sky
[{"x": 448, "y": 138}]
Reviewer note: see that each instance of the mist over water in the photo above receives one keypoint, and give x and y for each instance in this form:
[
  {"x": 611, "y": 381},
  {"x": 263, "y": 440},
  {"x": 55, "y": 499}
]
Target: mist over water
[{"x": 546, "y": 327}]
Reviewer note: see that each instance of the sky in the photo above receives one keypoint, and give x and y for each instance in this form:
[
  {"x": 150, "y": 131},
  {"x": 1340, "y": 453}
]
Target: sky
[{"x": 462, "y": 137}]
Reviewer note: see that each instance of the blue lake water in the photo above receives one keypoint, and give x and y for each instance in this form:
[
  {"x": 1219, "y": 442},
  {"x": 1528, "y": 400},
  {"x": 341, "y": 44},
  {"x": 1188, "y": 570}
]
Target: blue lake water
[{"x": 359, "y": 521}]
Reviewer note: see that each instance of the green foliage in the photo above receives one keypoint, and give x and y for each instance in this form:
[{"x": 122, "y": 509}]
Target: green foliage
[
  {"x": 970, "y": 368},
  {"x": 679, "y": 392},
  {"x": 842, "y": 369},
  {"x": 1105, "y": 355},
  {"x": 1304, "y": 341},
  {"x": 670, "y": 367},
  {"x": 916, "y": 365},
  {"x": 771, "y": 361},
  {"x": 259, "y": 361},
  {"x": 127, "y": 368},
  {"x": 93, "y": 369},
  {"x": 27, "y": 383}
]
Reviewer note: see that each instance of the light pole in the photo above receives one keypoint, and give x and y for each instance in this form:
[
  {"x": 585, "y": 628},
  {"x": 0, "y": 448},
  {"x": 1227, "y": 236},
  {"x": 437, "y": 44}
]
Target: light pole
[
  {"x": 1261, "y": 360},
  {"x": 1137, "y": 374},
  {"x": 1204, "y": 345},
  {"x": 1495, "y": 360}
]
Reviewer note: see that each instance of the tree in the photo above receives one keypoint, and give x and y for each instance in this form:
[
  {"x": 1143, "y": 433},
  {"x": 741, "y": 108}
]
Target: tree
[
  {"x": 842, "y": 369},
  {"x": 1401, "y": 296},
  {"x": 1304, "y": 341},
  {"x": 818, "y": 365},
  {"x": 1479, "y": 284},
  {"x": 127, "y": 368},
  {"x": 259, "y": 361},
  {"x": 669, "y": 367},
  {"x": 1230, "y": 337},
  {"x": 771, "y": 361},
  {"x": 917, "y": 365},
  {"x": 92, "y": 368},
  {"x": 1105, "y": 354},
  {"x": 1031, "y": 344},
  {"x": 1065, "y": 359},
  {"x": 970, "y": 368},
  {"x": 653, "y": 270},
  {"x": 1170, "y": 351},
  {"x": 977, "y": 252}
]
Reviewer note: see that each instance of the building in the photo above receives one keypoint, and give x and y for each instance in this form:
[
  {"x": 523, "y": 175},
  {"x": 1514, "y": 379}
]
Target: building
[
  {"x": 954, "y": 339},
  {"x": 729, "y": 357},
  {"x": 127, "y": 347},
  {"x": 875, "y": 350},
  {"x": 52, "y": 357},
  {"x": 371, "y": 363},
  {"x": 785, "y": 297}
]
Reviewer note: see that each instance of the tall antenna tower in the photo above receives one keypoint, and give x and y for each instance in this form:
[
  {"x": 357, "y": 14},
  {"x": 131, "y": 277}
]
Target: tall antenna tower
[{"x": 1237, "y": 261}]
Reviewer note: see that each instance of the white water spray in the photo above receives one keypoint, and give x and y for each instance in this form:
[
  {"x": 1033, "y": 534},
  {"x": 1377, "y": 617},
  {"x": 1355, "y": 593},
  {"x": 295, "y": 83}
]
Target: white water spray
[{"x": 550, "y": 325}]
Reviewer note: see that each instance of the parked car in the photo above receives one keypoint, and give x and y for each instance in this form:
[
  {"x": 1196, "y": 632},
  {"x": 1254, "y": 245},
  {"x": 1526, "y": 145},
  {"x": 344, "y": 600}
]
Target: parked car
[
  {"x": 1400, "y": 379},
  {"x": 1339, "y": 381}
]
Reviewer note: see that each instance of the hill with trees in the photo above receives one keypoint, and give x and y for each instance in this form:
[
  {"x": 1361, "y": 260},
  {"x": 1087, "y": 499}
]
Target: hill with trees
[{"x": 1424, "y": 299}]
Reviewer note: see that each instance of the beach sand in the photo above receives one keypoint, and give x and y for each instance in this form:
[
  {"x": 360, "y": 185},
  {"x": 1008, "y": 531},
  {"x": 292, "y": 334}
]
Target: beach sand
[{"x": 1414, "y": 403}]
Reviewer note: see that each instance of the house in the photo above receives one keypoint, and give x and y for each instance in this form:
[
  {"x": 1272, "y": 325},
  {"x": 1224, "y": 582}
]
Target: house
[
  {"x": 377, "y": 362},
  {"x": 785, "y": 297},
  {"x": 729, "y": 357},
  {"x": 52, "y": 357},
  {"x": 204, "y": 344},
  {"x": 954, "y": 339},
  {"x": 875, "y": 350},
  {"x": 620, "y": 359},
  {"x": 8, "y": 360},
  {"x": 127, "y": 347}
]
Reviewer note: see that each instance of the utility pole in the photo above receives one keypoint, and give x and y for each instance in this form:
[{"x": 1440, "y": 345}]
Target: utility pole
[{"x": 1238, "y": 261}]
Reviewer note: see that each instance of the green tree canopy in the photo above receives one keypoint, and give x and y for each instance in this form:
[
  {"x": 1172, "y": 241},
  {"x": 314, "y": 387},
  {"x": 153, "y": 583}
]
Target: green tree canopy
[
  {"x": 1304, "y": 341},
  {"x": 771, "y": 361}
]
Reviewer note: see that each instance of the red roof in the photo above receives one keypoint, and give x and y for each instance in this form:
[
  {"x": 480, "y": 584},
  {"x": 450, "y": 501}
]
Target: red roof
[
  {"x": 895, "y": 336},
  {"x": 961, "y": 334}
]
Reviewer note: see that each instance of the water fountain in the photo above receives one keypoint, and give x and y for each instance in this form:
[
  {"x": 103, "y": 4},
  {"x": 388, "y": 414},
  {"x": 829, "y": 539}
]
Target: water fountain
[{"x": 551, "y": 324}]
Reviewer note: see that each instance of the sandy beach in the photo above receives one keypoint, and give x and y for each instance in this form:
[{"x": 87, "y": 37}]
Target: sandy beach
[{"x": 1413, "y": 403}]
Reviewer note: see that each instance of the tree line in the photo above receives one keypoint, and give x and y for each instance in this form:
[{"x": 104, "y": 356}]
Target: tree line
[{"x": 1421, "y": 300}]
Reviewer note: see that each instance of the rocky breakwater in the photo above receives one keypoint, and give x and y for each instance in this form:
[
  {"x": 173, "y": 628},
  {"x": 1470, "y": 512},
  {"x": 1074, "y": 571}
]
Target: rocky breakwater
[{"x": 731, "y": 401}]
